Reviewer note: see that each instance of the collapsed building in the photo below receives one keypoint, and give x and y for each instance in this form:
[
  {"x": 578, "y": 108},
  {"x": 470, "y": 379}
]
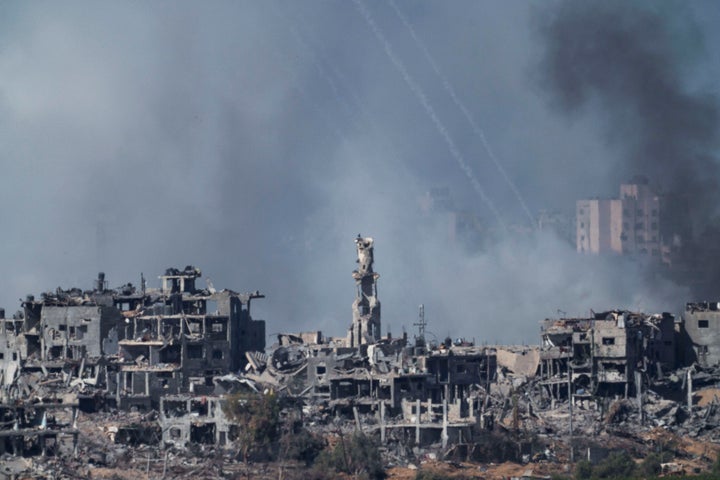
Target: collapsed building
[
  {"x": 179, "y": 349},
  {"x": 702, "y": 325},
  {"x": 433, "y": 393},
  {"x": 607, "y": 353},
  {"x": 122, "y": 348}
]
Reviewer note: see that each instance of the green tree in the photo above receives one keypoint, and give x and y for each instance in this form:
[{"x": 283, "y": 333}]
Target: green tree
[
  {"x": 357, "y": 455},
  {"x": 651, "y": 465},
  {"x": 616, "y": 465},
  {"x": 257, "y": 420},
  {"x": 583, "y": 470}
]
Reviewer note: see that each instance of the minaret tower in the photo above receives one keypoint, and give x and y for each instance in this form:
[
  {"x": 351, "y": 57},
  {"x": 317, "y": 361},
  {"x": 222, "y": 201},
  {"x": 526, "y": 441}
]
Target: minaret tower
[{"x": 365, "y": 328}]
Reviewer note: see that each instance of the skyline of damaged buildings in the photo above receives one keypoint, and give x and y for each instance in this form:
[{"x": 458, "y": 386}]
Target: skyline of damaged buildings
[{"x": 179, "y": 349}]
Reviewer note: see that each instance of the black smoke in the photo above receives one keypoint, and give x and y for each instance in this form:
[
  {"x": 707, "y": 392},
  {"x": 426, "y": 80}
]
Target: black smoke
[{"x": 628, "y": 63}]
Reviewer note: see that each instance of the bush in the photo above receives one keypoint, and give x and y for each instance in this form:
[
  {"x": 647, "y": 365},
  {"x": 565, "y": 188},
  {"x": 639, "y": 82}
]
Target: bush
[
  {"x": 617, "y": 465},
  {"x": 651, "y": 465},
  {"x": 302, "y": 445},
  {"x": 357, "y": 455},
  {"x": 583, "y": 470},
  {"x": 257, "y": 417}
]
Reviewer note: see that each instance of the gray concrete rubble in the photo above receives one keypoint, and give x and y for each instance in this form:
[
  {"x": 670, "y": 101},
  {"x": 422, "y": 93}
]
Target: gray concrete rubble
[{"x": 96, "y": 376}]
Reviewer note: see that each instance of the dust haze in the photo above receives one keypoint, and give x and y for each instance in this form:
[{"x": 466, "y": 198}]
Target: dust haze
[{"x": 255, "y": 140}]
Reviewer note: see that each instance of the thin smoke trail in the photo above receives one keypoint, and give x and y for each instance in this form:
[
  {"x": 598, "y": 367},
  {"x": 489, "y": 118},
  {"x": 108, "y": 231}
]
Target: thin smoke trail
[
  {"x": 299, "y": 38},
  {"x": 417, "y": 91},
  {"x": 476, "y": 128}
]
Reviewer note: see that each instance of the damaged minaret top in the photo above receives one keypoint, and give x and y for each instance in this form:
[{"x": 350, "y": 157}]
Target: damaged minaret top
[{"x": 365, "y": 328}]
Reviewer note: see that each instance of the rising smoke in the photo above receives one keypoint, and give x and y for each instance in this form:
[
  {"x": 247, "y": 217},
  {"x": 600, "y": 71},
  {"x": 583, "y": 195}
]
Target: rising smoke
[
  {"x": 625, "y": 62},
  {"x": 255, "y": 141}
]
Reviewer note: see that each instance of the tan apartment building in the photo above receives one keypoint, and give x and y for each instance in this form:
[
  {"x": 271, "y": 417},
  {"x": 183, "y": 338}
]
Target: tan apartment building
[{"x": 626, "y": 225}]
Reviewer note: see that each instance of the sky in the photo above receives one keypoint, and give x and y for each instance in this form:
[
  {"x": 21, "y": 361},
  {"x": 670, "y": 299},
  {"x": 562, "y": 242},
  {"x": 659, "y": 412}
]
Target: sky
[{"x": 256, "y": 139}]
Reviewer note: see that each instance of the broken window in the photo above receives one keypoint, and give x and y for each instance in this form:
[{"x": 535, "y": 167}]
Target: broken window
[
  {"x": 174, "y": 408},
  {"x": 703, "y": 323},
  {"x": 170, "y": 354},
  {"x": 194, "y": 351},
  {"x": 217, "y": 354},
  {"x": 199, "y": 407},
  {"x": 608, "y": 340},
  {"x": 175, "y": 433}
]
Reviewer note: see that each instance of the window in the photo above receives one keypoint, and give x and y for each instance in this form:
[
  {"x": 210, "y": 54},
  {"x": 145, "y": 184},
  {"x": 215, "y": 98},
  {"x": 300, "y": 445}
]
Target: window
[
  {"x": 62, "y": 327},
  {"x": 195, "y": 351},
  {"x": 608, "y": 341},
  {"x": 175, "y": 433},
  {"x": 321, "y": 369},
  {"x": 703, "y": 323},
  {"x": 217, "y": 354}
]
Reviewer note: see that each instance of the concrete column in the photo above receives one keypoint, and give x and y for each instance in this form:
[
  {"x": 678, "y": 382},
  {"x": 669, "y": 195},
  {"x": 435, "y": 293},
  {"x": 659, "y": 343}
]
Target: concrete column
[
  {"x": 382, "y": 422},
  {"x": 638, "y": 394},
  {"x": 690, "y": 390},
  {"x": 445, "y": 423},
  {"x": 417, "y": 422}
]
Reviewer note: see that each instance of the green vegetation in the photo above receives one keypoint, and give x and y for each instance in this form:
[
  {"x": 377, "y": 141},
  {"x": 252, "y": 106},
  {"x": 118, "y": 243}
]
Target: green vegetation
[
  {"x": 257, "y": 417},
  {"x": 357, "y": 455},
  {"x": 620, "y": 466}
]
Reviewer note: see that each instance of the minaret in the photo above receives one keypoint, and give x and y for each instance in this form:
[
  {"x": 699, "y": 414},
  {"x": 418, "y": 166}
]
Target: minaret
[{"x": 365, "y": 328}]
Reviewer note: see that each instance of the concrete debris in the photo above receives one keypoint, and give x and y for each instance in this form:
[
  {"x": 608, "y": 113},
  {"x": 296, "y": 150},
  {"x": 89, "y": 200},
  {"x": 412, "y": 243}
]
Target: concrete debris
[{"x": 138, "y": 378}]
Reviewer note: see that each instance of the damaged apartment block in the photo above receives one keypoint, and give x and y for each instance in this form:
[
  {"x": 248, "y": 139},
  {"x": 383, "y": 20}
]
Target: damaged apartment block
[
  {"x": 116, "y": 348},
  {"x": 607, "y": 354},
  {"x": 429, "y": 393},
  {"x": 170, "y": 356}
]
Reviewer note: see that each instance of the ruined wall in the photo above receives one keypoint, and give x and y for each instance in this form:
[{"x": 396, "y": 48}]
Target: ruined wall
[{"x": 702, "y": 324}]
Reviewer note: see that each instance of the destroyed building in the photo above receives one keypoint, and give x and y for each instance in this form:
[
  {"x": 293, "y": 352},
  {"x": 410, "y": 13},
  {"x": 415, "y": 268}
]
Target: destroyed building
[
  {"x": 122, "y": 348},
  {"x": 601, "y": 355},
  {"x": 170, "y": 356},
  {"x": 401, "y": 381},
  {"x": 702, "y": 324}
]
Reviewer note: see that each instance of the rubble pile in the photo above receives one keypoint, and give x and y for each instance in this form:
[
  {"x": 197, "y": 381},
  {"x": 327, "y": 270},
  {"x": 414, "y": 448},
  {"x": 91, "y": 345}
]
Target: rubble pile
[{"x": 116, "y": 383}]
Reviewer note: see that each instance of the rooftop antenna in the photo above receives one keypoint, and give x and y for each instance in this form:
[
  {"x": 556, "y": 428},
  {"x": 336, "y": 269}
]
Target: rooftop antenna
[{"x": 421, "y": 323}]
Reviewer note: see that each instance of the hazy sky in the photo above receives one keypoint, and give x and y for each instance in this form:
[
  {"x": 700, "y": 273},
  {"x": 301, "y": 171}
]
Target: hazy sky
[{"x": 256, "y": 139}]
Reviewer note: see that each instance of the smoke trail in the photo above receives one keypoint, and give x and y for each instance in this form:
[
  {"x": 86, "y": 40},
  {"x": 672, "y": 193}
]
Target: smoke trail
[
  {"x": 475, "y": 127},
  {"x": 315, "y": 62},
  {"x": 417, "y": 91}
]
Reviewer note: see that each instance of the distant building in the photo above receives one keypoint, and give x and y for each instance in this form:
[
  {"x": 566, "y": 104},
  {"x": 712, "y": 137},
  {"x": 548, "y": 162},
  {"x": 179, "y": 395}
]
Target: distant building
[
  {"x": 629, "y": 225},
  {"x": 702, "y": 324}
]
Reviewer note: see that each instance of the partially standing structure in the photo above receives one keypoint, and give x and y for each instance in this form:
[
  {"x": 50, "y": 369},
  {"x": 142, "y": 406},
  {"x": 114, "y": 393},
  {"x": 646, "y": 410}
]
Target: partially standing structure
[{"x": 365, "y": 328}]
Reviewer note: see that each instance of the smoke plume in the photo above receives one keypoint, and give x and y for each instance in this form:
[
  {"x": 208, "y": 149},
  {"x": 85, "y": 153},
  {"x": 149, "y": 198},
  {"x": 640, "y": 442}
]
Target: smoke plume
[{"x": 628, "y": 63}]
